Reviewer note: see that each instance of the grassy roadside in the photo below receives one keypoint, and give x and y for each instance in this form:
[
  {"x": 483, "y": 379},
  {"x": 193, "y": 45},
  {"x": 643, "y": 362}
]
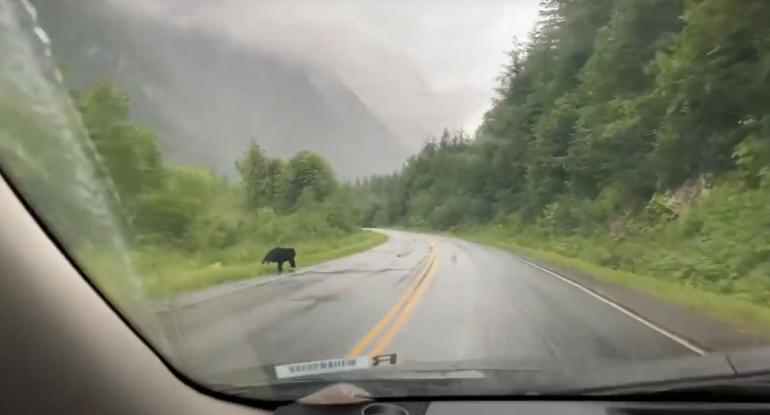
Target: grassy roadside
[
  {"x": 165, "y": 271},
  {"x": 725, "y": 307}
]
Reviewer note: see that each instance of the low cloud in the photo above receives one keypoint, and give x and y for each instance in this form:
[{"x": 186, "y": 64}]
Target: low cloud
[{"x": 419, "y": 65}]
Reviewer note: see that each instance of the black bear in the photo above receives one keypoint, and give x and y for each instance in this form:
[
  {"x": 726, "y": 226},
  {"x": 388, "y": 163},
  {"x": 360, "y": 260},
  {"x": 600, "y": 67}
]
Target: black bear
[{"x": 280, "y": 255}]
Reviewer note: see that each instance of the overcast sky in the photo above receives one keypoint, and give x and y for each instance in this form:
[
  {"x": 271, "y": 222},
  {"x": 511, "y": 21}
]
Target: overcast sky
[{"x": 419, "y": 65}]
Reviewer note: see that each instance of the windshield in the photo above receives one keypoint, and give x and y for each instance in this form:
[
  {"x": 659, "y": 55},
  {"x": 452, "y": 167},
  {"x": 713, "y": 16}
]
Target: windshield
[{"x": 419, "y": 198}]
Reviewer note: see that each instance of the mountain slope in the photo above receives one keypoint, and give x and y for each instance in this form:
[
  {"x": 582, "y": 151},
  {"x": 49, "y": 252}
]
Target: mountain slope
[{"x": 208, "y": 97}]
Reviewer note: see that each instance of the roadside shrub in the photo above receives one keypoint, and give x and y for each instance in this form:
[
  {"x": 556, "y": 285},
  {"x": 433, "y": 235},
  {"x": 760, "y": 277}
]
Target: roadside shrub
[
  {"x": 216, "y": 230},
  {"x": 450, "y": 213},
  {"x": 164, "y": 218}
]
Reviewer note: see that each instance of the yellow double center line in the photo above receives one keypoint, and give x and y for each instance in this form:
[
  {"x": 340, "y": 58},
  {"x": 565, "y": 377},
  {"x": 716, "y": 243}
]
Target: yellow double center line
[{"x": 399, "y": 312}]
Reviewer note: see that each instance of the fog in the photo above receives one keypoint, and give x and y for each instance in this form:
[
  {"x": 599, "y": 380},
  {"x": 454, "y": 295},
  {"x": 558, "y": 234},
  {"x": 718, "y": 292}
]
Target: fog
[{"x": 419, "y": 66}]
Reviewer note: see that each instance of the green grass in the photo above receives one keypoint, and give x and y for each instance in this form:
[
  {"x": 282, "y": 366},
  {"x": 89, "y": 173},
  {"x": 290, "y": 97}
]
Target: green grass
[
  {"x": 165, "y": 271},
  {"x": 740, "y": 312}
]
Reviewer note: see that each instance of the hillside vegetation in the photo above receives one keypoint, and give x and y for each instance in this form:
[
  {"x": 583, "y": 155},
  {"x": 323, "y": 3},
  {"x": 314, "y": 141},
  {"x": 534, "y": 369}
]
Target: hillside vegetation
[
  {"x": 633, "y": 135},
  {"x": 189, "y": 228}
]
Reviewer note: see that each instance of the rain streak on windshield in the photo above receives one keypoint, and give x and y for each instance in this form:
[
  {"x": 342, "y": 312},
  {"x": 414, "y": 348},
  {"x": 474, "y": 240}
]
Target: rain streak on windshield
[{"x": 416, "y": 198}]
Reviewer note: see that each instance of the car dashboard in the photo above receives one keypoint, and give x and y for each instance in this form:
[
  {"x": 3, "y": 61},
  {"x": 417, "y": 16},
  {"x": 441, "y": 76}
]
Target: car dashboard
[{"x": 527, "y": 408}]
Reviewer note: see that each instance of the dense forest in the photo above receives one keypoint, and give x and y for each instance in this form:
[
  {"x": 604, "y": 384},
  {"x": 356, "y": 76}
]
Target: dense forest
[
  {"x": 631, "y": 134},
  {"x": 189, "y": 227}
]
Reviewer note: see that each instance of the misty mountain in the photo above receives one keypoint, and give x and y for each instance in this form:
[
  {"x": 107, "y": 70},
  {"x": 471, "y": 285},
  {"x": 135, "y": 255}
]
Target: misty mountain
[{"x": 209, "y": 97}]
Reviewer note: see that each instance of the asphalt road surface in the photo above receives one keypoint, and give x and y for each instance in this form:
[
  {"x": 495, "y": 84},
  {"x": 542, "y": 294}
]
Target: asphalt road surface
[{"x": 426, "y": 298}]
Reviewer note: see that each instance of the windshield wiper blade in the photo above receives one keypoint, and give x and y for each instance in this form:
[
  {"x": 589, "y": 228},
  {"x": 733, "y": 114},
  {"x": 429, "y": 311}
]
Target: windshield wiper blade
[
  {"x": 736, "y": 373},
  {"x": 736, "y": 389},
  {"x": 711, "y": 373}
]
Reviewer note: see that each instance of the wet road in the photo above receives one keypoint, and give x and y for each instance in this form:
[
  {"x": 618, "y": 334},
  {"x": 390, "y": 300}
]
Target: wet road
[{"x": 426, "y": 298}]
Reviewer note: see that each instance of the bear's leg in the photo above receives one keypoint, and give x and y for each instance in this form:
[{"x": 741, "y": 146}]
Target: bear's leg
[
  {"x": 280, "y": 266},
  {"x": 291, "y": 262}
]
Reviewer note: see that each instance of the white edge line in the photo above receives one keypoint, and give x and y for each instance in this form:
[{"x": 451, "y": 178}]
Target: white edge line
[{"x": 684, "y": 342}]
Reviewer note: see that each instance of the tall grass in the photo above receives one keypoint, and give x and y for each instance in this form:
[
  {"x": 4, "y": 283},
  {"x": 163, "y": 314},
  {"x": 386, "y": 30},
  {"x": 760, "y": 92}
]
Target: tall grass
[{"x": 165, "y": 270}]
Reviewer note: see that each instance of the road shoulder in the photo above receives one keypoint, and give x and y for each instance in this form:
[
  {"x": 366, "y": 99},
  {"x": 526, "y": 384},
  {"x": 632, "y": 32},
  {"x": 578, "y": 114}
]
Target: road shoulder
[
  {"x": 193, "y": 297},
  {"x": 693, "y": 323}
]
